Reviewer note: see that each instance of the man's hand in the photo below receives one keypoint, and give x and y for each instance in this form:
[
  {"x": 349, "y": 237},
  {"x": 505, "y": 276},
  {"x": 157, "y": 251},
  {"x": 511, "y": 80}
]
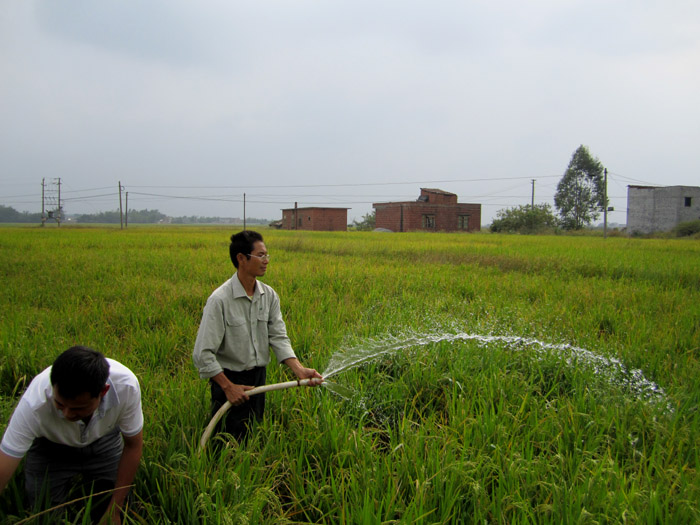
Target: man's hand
[
  {"x": 302, "y": 372},
  {"x": 113, "y": 516},
  {"x": 235, "y": 394}
]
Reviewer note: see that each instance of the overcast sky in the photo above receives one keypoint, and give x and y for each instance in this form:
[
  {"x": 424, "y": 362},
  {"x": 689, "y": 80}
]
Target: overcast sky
[{"x": 341, "y": 103}]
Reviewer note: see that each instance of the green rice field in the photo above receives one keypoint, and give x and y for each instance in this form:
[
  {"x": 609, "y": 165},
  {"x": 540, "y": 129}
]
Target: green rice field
[{"x": 503, "y": 379}]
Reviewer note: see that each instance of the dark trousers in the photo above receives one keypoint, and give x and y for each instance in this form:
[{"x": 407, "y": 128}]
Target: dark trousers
[
  {"x": 239, "y": 418},
  {"x": 52, "y": 471}
]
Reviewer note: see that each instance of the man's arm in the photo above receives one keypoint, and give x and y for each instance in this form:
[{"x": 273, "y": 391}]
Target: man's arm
[
  {"x": 302, "y": 372},
  {"x": 8, "y": 465},
  {"x": 235, "y": 394},
  {"x": 211, "y": 332},
  {"x": 128, "y": 465}
]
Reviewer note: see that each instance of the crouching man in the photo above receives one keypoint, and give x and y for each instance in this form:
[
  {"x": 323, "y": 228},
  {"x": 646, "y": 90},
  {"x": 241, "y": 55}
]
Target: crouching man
[{"x": 81, "y": 416}]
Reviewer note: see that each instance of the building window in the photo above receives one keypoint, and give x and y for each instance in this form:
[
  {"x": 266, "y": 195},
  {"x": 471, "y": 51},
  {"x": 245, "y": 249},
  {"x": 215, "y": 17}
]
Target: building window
[
  {"x": 462, "y": 222},
  {"x": 688, "y": 202},
  {"x": 429, "y": 222}
]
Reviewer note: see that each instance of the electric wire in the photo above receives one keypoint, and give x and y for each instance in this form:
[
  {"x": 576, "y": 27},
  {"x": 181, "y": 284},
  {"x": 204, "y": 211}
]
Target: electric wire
[{"x": 77, "y": 195}]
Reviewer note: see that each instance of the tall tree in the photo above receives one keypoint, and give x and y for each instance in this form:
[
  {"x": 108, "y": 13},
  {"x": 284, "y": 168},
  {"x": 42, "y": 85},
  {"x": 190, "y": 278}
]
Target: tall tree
[{"x": 580, "y": 193}]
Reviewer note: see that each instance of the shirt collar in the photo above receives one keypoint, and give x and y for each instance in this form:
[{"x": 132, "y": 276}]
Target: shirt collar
[
  {"x": 239, "y": 291},
  {"x": 109, "y": 400}
]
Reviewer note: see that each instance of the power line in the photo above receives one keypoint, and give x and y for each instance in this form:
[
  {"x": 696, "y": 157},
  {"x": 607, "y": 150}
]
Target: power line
[
  {"x": 90, "y": 189},
  {"x": 320, "y": 198},
  {"x": 633, "y": 180},
  {"x": 186, "y": 197},
  {"x": 85, "y": 197},
  {"x": 20, "y": 196},
  {"x": 345, "y": 185}
]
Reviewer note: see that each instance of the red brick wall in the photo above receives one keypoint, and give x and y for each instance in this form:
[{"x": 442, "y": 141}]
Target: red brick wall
[
  {"x": 388, "y": 216},
  {"x": 408, "y": 216},
  {"x": 317, "y": 219},
  {"x": 288, "y": 219},
  {"x": 439, "y": 198},
  {"x": 328, "y": 219}
]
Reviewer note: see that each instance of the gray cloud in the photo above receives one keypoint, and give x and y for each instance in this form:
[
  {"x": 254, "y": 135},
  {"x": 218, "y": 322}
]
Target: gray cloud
[{"x": 173, "y": 93}]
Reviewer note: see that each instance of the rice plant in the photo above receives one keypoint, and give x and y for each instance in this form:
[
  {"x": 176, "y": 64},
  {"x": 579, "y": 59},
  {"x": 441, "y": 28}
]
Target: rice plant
[{"x": 498, "y": 379}]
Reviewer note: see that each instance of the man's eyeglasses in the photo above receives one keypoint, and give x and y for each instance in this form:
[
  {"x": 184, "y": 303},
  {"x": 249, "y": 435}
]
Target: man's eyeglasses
[{"x": 265, "y": 257}]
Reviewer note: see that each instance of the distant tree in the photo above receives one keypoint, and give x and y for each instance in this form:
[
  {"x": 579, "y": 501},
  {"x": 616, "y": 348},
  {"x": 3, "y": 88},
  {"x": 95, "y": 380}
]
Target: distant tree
[
  {"x": 367, "y": 223},
  {"x": 9, "y": 214},
  {"x": 145, "y": 216},
  {"x": 525, "y": 219},
  {"x": 253, "y": 220},
  {"x": 580, "y": 193},
  {"x": 105, "y": 217},
  {"x": 114, "y": 217}
]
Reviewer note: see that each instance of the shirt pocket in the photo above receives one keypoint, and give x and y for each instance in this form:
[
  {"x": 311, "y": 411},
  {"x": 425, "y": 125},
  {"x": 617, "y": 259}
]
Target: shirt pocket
[
  {"x": 263, "y": 316},
  {"x": 263, "y": 338},
  {"x": 237, "y": 332}
]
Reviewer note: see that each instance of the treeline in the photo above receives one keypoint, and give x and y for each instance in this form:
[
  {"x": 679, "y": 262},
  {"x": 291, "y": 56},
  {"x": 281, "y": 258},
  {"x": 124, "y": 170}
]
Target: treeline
[
  {"x": 8, "y": 214},
  {"x": 194, "y": 219},
  {"x": 114, "y": 217}
]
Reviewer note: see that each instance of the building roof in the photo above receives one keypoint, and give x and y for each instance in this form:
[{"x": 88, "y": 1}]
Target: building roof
[
  {"x": 423, "y": 199},
  {"x": 437, "y": 191},
  {"x": 314, "y": 208}
]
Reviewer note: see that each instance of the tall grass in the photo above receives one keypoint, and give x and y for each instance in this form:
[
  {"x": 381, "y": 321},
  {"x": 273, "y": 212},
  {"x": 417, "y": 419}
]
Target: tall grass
[{"x": 449, "y": 432}]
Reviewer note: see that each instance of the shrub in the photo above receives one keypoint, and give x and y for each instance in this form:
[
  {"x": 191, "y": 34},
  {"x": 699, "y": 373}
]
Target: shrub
[
  {"x": 687, "y": 229},
  {"x": 525, "y": 219}
]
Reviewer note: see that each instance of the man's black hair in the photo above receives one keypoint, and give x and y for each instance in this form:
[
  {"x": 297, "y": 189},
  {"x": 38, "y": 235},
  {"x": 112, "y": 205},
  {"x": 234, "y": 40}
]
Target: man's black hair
[
  {"x": 242, "y": 242},
  {"x": 78, "y": 370}
]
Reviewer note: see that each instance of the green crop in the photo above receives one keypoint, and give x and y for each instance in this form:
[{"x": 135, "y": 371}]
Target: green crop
[{"x": 446, "y": 431}]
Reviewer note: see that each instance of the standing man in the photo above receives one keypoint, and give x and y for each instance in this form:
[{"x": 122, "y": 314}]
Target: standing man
[
  {"x": 82, "y": 415},
  {"x": 241, "y": 321}
]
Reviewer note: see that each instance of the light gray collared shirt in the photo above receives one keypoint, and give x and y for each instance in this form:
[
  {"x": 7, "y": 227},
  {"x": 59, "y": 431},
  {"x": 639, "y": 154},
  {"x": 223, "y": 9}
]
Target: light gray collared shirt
[{"x": 238, "y": 331}]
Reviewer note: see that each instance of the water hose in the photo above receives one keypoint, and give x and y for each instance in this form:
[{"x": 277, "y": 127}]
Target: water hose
[{"x": 257, "y": 390}]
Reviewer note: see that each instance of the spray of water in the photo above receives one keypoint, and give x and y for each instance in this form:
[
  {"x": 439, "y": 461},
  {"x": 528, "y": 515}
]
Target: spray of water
[{"x": 609, "y": 369}]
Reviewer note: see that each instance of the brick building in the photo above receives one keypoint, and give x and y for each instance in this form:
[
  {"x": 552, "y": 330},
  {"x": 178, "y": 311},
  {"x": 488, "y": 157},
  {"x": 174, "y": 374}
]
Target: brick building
[
  {"x": 317, "y": 219},
  {"x": 653, "y": 208},
  {"x": 434, "y": 210}
]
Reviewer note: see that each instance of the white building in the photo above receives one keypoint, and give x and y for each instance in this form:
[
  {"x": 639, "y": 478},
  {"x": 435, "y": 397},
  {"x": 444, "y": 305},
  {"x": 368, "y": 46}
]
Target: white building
[{"x": 653, "y": 208}]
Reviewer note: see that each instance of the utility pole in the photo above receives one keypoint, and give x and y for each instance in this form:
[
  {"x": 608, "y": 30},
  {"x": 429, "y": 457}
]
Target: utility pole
[
  {"x": 60, "y": 206},
  {"x": 244, "y": 211},
  {"x": 43, "y": 213},
  {"x": 121, "y": 210},
  {"x": 605, "y": 205},
  {"x": 51, "y": 206},
  {"x": 532, "y": 206},
  {"x": 126, "y": 215}
]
